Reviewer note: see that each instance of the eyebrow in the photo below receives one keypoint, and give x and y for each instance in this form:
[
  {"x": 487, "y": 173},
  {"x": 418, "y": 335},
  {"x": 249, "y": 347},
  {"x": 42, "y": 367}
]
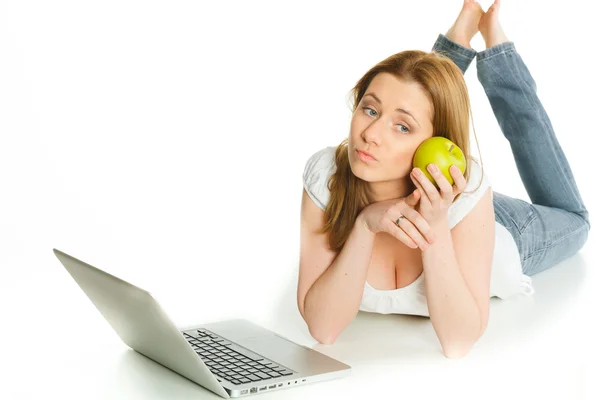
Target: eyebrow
[{"x": 397, "y": 109}]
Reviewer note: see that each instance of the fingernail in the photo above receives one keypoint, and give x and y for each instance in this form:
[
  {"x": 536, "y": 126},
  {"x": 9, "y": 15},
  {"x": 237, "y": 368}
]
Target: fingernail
[{"x": 431, "y": 167}]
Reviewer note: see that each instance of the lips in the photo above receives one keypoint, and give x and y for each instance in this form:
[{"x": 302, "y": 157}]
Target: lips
[{"x": 366, "y": 153}]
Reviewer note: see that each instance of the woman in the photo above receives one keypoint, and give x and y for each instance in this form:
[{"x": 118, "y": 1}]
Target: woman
[{"x": 377, "y": 237}]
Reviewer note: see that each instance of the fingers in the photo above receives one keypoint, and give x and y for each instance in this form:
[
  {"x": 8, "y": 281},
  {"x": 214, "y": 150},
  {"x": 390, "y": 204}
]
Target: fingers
[
  {"x": 445, "y": 188},
  {"x": 422, "y": 193},
  {"x": 414, "y": 226},
  {"x": 413, "y": 198},
  {"x": 401, "y": 235},
  {"x": 460, "y": 183}
]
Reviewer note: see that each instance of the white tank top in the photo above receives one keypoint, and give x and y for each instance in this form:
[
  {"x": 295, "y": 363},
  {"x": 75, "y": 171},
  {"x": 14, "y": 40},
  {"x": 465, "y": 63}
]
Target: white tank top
[{"x": 507, "y": 278}]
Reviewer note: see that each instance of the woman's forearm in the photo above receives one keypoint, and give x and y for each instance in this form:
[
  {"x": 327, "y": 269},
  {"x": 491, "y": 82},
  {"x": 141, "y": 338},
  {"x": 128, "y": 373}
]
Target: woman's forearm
[{"x": 334, "y": 299}]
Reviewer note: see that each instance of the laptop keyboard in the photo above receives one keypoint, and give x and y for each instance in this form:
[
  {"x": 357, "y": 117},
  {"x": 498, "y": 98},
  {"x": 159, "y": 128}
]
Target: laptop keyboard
[{"x": 231, "y": 362}]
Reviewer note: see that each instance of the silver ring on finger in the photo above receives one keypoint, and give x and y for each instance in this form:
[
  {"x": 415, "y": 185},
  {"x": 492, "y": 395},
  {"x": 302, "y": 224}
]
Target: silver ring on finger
[{"x": 400, "y": 218}]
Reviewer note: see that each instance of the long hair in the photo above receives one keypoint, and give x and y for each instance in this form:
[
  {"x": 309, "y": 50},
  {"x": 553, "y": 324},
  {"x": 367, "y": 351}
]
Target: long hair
[{"x": 445, "y": 85}]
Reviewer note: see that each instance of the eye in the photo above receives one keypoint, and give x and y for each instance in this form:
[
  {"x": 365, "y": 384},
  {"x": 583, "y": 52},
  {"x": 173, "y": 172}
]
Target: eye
[
  {"x": 407, "y": 130},
  {"x": 367, "y": 109}
]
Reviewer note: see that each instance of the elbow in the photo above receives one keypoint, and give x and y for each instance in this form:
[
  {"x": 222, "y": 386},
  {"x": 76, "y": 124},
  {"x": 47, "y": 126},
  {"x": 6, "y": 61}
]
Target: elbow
[
  {"x": 456, "y": 352},
  {"x": 323, "y": 337},
  {"x": 458, "y": 349}
]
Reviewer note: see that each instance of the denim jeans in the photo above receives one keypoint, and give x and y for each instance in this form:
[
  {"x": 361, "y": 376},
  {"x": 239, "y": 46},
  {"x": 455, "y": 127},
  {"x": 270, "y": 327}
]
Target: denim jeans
[{"x": 555, "y": 225}]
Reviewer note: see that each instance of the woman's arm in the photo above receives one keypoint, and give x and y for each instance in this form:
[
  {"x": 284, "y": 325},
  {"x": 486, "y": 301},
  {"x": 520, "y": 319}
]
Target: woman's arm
[{"x": 334, "y": 299}]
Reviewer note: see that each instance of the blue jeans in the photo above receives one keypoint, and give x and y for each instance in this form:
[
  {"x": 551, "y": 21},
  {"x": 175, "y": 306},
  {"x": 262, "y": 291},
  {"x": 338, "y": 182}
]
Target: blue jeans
[{"x": 555, "y": 225}]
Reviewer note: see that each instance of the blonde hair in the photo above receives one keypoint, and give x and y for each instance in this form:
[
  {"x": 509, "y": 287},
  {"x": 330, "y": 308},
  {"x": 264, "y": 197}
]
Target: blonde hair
[{"x": 445, "y": 85}]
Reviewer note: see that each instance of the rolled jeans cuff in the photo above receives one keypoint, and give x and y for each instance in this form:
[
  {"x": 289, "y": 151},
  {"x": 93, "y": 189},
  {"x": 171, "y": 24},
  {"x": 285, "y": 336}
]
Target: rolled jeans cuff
[
  {"x": 461, "y": 55},
  {"x": 501, "y": 48}
]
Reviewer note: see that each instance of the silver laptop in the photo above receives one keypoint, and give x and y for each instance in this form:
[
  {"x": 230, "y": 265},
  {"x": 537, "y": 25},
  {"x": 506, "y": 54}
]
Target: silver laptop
[{"x": 231, "y": 358}]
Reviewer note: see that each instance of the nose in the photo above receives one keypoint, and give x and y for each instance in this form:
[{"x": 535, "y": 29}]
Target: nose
[{"x": 374, "y": 131}]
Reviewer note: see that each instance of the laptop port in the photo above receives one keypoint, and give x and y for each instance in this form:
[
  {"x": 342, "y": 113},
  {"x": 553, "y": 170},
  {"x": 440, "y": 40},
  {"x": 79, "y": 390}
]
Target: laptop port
[
  {"x": 272, "y": 386},
  {"x": 253, "y": 390},
  {"x": 280, "y": 385},
  {"x": 245, "y": 391},
  {"x": 262, "y": 388}
]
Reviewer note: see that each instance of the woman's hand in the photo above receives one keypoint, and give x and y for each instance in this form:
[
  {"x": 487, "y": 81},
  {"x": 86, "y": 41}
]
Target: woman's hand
[
  {"x": 413, "y": 230},
  {"x": 434, "y": 204}
]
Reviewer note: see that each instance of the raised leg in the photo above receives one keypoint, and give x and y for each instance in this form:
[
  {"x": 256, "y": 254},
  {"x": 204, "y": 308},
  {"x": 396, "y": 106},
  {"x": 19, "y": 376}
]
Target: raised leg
[
  {"x": 556, "y": 223},
  {"x": 541, "y": 162}
]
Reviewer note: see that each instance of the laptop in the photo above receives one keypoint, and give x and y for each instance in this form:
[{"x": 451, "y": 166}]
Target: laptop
[{"x": 232, "y": 358}]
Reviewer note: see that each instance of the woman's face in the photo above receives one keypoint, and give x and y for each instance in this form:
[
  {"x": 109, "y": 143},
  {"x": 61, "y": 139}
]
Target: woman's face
[{"x": 391, "y": 136}]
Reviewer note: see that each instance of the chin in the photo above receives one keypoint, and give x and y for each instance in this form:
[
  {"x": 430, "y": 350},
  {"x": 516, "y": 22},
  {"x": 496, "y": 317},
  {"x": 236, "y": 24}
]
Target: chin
[{"x": 360, "y": 172}]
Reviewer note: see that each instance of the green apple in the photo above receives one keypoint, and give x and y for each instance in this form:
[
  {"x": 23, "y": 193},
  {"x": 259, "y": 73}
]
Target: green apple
[{"x": 442, "y": 152}]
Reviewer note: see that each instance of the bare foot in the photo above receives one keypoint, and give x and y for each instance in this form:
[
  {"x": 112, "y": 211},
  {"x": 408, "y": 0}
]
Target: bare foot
[
  {"x": 466, "y": 24},
  {"x": 490, "y": 28}
]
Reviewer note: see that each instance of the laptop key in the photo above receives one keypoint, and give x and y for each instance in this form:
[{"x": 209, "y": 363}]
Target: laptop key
[
  {"x": 244, "y": 352},
  {"x": 254, "y": 378},
  {"x": 262, "y": 375},
  {"x": 245, "y": 380},
  {"x": 274, "y": 374}
]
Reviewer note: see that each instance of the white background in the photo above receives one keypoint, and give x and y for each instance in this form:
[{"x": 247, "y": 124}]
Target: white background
[{"x": 164, "y": 142}]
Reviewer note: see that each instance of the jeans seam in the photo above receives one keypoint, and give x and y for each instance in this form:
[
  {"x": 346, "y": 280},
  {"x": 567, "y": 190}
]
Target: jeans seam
[
  {"x": 455, "y": 48},
  {"x": 454, "y": 51},
  {"x": 507, "y": 51},
  {"x": 528, "y": 221},
  {"x": 552, "y": 243}
]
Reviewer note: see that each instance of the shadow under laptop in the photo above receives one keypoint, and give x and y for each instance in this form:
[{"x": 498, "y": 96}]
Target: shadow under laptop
[
  {"x": 380, "y": 338},
  {"x": 144, "y": 378}
]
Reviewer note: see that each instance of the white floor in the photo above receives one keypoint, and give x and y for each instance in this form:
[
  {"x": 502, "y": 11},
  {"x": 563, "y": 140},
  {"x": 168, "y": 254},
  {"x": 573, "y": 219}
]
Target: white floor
[
  {"x": 539, "y": 347},
  {"x": 123, "y": 143}
]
